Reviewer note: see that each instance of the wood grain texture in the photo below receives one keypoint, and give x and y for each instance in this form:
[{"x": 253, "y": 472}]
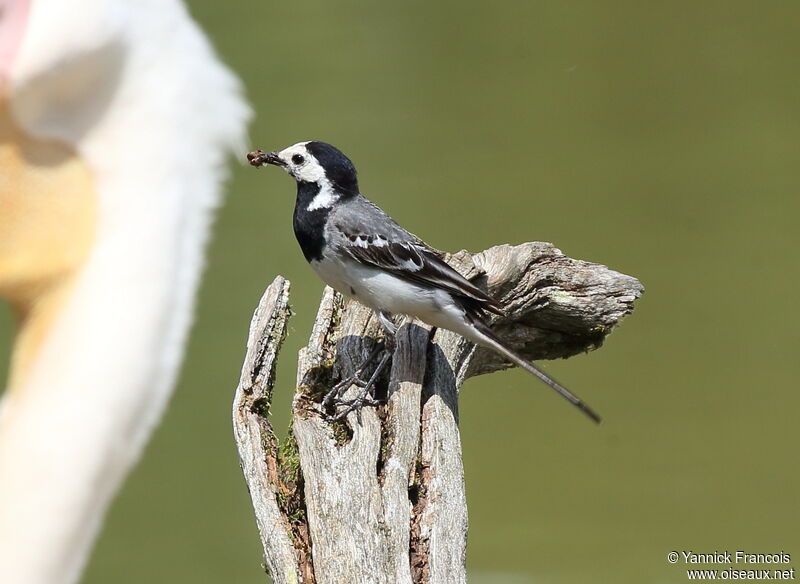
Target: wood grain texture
[
  {"x": 380, "y": 497},
  {"x": 258, "y": 451}
]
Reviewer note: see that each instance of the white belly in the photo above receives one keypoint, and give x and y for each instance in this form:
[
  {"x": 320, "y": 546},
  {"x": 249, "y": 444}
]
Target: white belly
[{"x": 384, "y": 292}]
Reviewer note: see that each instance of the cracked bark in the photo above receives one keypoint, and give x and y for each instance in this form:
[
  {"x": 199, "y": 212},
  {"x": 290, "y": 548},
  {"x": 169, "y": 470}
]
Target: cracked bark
[{"x": 382, "y": 499}]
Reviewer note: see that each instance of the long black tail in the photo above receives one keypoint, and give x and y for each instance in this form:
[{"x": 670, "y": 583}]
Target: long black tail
[{"x": 491, "y": 341}]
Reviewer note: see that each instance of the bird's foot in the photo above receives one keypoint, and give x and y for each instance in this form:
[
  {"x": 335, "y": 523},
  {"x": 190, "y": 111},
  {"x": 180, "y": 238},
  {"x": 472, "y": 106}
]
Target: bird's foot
[
  {"x": 356, "y": 405},
  {"x": 354, "y": 379},
  {"x": 366, "y": 396}
]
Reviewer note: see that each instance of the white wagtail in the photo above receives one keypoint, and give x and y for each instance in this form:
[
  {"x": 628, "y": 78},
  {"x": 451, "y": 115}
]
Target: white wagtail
[{"x": 361, "y": 252}]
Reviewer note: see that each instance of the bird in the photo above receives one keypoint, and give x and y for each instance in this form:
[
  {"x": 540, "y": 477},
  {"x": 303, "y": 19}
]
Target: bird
[
  {"x": 362, "y": 253},
  {"x": 104, "y": 220}
]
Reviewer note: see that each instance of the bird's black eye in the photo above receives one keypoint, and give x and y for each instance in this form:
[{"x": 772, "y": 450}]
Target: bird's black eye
[{"x": 298, "y": 159}]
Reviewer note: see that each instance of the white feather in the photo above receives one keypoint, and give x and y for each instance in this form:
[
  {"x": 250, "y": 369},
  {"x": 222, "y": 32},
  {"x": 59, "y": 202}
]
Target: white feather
[
  {"x": 326, "y": 197},
  {"x": 360, "y": 241},
  {"x": 411, "y": 266},
  {"x": 382, "y": 291},
  {"x": 131, "y": 85}
]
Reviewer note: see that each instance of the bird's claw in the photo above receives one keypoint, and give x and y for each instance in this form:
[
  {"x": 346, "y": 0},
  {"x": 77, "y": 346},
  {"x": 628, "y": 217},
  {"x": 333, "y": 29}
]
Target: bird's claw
[
  {"x": 354, "y": 405},
  {"x": 331, "y": 398},
  {"x": 331, "y": 401}
]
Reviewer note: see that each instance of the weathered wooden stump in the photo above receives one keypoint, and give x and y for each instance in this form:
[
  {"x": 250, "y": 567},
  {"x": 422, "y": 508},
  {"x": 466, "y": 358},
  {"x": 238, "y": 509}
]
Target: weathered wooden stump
[{"x": 381, "y": 499}]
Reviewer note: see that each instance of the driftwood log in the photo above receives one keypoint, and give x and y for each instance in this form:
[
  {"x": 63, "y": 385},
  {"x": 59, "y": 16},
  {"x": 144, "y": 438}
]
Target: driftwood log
[{"x": 379, "y": 497}]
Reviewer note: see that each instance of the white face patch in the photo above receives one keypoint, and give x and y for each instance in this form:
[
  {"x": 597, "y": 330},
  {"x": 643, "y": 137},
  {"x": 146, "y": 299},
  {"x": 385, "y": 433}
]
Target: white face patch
[{"x": 302, "y": 165}]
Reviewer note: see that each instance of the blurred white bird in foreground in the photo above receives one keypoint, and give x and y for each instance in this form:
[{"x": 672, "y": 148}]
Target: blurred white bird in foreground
[{"x": 116, "y": 119}]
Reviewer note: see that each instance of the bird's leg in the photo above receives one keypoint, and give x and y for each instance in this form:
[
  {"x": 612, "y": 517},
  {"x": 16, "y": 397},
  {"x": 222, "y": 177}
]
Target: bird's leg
[
  {"x": 354, "y": 379},
  {"x": 389, "y": 328},
  {"x": 364, "y": 398}
]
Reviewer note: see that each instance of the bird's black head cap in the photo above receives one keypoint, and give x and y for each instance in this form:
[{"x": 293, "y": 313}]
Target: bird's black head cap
[{"x": 339, "y": 169}]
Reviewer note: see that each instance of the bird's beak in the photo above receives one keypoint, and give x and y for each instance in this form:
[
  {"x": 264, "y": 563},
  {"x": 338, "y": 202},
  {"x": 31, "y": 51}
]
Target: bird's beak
[
  {"x": 273, "y": 158},
  {"x": 259, "y": 158}
]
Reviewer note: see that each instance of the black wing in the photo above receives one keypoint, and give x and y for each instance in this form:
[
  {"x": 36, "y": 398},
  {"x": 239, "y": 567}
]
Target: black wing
[{"x": 416, "y": 262}]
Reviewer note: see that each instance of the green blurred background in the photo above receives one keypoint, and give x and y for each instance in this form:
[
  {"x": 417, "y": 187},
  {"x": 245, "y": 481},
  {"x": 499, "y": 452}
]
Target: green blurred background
[{"x": 660, "y": 139}]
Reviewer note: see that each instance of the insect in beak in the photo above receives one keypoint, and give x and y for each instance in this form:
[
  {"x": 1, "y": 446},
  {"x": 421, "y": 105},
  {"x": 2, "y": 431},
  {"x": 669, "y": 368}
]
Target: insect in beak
[{"x": 259, "y": 158}]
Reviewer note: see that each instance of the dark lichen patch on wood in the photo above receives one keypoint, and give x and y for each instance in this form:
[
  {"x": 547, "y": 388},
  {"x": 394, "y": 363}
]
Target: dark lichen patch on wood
[
  {"x": 260, "y": 406},
  {"x": 419, "y": 549},
  {"x": 290, "y": 494},
  {"x": 341, "y": 432},
  {"x": 385, "y": 444},
  {"x": 317, "y": 381}
]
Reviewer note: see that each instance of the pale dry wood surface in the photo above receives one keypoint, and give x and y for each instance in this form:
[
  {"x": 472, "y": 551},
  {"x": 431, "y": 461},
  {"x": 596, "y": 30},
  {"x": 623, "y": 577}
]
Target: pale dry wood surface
[{"x": 379, "y": 498}]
